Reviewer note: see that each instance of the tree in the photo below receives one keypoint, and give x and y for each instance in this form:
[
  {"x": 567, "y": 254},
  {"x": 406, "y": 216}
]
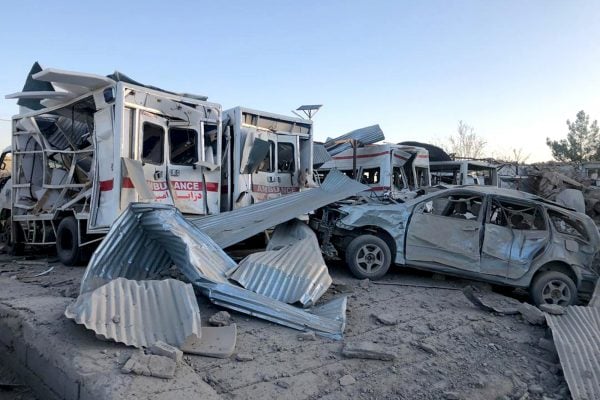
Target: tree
[
  {"x": 582, "y": 142},
  {"x": 466, "y": 143},
  {"x": 514, "y": 156}
]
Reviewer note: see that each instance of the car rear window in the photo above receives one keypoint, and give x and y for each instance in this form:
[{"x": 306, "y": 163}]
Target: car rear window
[{"x": 567, "y": 225}]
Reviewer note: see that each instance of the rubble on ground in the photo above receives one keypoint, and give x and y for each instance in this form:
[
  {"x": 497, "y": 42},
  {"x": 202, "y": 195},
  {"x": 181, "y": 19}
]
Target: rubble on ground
[
  {"x": 367, "y": 350},
  {"x": 222, "y": 318},
  {"x": 553, "y": 309},
  {"x": 531, "y": 314},
  {"x": 163, "y": 349},
  {"x": 150, "y": 365},
  {"x": 492, "y": 302},
  {"x": 475, "y": 350}
]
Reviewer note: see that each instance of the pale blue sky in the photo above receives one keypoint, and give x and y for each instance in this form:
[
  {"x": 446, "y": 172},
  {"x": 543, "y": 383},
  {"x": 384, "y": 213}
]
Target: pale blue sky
[{"x": 515, "y": 70}]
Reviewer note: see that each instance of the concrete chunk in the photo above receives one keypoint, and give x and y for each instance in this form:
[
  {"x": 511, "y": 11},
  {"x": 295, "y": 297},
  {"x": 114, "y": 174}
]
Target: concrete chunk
[
  {"x": 222, "y": 318},
  {"x": 244, "y": 357},
  {"x": 532, "y": 314},
  {"x": 163, "y": 349},
  {"x": 150, "y": 365},
  {"x": 367, "y": 350},
  {"x": 553, "y": 309},
  {"x": 306, "y": 336},
  {"x": 347, "y": 380},
  {"x": 385, "y": 319}
]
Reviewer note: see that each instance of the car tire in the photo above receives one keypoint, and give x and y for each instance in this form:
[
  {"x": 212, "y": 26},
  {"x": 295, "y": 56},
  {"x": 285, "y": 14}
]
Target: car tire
[
  {"x": 368, "y": 256},
  {"x": 67, "y": 246},
  {"x": 553, "y": 287}
]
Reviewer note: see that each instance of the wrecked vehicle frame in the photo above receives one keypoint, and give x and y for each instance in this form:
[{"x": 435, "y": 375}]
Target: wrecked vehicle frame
[{"x": 501, "y": 236}]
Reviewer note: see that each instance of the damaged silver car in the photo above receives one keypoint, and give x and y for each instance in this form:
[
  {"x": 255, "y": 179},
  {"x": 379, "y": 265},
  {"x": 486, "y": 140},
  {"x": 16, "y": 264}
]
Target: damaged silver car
[{"x": 501, "y": 236}]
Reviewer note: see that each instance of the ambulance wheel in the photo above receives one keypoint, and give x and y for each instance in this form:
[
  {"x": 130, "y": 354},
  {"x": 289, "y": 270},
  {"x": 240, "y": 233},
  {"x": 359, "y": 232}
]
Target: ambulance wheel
[
  {"x": 16, "y": 248},
  {"x": 67, "y": 246}
]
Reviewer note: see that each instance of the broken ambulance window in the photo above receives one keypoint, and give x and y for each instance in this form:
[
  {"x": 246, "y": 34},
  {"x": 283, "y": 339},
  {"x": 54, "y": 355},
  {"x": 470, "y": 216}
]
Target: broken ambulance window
[
  {"x": 210, "y": 142},
  {"x": 569, "y": 226},
  {"x": 266, "y": 165},
  {"x": 370, "y": 176},
  {"x": 422, "y": 176},
  {"x": 398, "y": 178},
  {"x": 183, "y": 144},
  {"x": 285, "y": 157},
  {"x": 154, "y": 144}
]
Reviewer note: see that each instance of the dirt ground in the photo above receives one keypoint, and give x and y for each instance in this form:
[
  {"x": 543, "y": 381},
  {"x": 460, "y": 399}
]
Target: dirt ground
[{"x": 446, "y": 348}]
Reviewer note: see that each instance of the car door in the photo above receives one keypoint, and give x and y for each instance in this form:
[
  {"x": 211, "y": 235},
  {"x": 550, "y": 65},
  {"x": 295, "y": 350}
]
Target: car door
[
  {"x": 154, "y": 163},
  {"x": 446, "y": 230},
  {"x": 515, "y": 233},
  {"x": 287, "y": 163},
  {"x": 185, "y": 178}
]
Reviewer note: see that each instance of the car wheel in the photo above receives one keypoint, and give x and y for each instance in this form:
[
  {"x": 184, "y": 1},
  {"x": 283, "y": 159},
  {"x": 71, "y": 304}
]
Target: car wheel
[
  {"x": 553, "y": 287},
  {"x": 67, "y": 246},
  {"x": 368, "y": 256}
]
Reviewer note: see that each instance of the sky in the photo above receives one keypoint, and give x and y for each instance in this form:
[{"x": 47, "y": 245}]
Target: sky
[{"x": 514, "y": 70}]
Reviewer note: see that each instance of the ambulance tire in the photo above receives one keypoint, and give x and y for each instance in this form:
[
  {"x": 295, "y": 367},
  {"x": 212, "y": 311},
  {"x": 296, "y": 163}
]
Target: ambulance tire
[
  {"x": 16, "y": 248},
  {"x": 67, "y": 246}
]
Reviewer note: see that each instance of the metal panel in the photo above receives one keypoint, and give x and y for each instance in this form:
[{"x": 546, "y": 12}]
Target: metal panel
[
  {"x": 294, "y": 272},
  {"x": 140, "y": 313},
  {"x": 368, "y": 135},
  {"x": 235, "y": 226},
  {"x": 595, "y": 300},
  {"x": 148, "y": 238},
  {"x": 328, "y": 319},
  {"x": 577, "y": 341},
  {"x": 320, "y": 155}
]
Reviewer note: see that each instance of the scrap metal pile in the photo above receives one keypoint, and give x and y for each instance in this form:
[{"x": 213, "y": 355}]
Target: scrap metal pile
[
  {"x": 567, "y": 187},
  {"x": 123, "y": 298}
]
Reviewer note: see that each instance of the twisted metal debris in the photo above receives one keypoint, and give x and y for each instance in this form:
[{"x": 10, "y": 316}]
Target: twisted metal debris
[
  {"x": 148, "y": 238},
  {"x": 232, "y": 227},
  {"x": 292, "y": 269},
  {"x": 139, "y": 313}
]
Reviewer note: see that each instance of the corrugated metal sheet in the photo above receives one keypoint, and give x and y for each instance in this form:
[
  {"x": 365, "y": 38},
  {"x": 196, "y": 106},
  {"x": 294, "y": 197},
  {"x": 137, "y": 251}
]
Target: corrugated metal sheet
[
  {"x": 320, "y": 155},
  {"x": 232, "y": 227},
  {"x": 295, "y": 273},
  {"x": 577, "y": 340},
  {"x": 368, "y": 135},
  {"x": 148, "y": 238},
  {"x": 328, "y": 319},
  {"x": 595, "y": 299},
  {"x": 139, "y": 313},
  {"x": 289, "y": 233}
]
